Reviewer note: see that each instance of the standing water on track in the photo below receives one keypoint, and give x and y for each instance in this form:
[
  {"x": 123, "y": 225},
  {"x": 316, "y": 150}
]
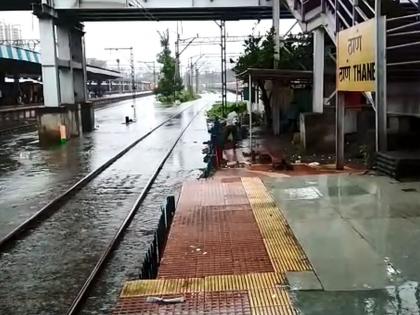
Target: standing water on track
[{"x": 44, "y": 271}]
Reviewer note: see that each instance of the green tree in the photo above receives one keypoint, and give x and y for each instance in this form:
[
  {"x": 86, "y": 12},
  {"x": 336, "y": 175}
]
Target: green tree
[
  {"x": 296, "y": 54},
  {"x": 169, "y": 84}
]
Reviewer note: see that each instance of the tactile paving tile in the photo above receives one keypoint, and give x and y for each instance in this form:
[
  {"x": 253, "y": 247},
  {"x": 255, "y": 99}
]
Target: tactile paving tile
[
  {"x": 243, "y": 282},
  {"x": 285, "y": 252},
  {"x": 215, "y": 303}
]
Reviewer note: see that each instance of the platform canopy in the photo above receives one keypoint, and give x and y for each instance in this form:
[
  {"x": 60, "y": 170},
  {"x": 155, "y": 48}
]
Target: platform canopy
[
  {"x": 97, "y": 73},
  {"x": 20, "y": 61}
]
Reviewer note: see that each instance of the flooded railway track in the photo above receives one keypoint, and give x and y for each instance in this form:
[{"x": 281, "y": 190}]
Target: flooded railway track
[
  {"x": 55, "y": 204},
  {"x": 81, "y": 296}
]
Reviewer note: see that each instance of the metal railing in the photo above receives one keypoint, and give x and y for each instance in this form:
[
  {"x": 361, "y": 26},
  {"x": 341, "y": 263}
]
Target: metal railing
[
  {"x": 403, "y": 32},
  {"x": 346, "y": 12},
  {"x": 150, "y": 266},
  {"x": 30, "y": 44},
  {"x": 16, "y": 114}
]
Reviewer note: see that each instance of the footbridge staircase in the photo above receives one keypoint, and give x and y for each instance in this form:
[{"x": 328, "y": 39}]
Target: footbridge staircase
[{"x": 402, "y": 50}]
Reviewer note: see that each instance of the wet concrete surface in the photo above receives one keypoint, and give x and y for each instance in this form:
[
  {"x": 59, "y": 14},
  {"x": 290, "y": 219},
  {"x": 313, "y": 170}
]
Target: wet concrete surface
[
  {"x": 361, "y": 234},
  {"x": 43, "y": 272}
]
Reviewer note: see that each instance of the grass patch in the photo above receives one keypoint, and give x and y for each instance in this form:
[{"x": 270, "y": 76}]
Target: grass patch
[
  {"x": 182, "y": 97},
  {"x": 217, "y": 111}
]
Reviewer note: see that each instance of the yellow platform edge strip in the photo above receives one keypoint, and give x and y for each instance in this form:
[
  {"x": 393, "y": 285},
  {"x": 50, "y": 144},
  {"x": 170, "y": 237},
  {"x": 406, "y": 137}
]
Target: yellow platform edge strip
[{"x": 285, "y": 252}]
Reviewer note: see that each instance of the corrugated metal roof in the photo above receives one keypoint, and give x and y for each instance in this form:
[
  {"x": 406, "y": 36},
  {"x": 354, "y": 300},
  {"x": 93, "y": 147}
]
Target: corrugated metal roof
[{"x": 20, "y": 54}]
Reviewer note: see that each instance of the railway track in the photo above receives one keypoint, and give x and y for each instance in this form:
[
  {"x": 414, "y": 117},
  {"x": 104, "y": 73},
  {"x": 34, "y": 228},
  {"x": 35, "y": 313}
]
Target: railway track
[
  {"x": 71, "y": 194},
  {"x": 82, "y": 294},
  {"x": 54, "y": 205}
]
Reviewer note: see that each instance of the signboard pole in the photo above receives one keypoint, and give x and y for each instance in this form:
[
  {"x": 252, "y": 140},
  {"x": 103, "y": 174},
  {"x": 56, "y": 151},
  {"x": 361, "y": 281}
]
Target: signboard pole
[
  {"x": 250, "y": 112},
  {"x": 381, "y": 82}
]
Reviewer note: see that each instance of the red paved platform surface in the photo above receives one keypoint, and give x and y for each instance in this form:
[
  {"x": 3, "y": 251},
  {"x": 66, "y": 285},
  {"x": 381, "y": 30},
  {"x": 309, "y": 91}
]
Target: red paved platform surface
[{"x": 214, "y": 233}]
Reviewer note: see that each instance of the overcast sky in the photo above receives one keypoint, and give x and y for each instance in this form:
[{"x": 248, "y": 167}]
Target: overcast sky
[{"x": 143, "y": 36}]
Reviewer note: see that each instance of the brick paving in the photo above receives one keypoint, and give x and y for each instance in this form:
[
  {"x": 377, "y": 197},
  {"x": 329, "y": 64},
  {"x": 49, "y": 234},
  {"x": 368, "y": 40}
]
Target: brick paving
[{"x": 214, "y": 233}]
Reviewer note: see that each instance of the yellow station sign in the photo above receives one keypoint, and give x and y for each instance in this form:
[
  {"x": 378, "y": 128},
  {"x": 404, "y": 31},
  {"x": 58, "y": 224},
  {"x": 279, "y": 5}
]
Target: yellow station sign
[{"x": 356, "y": 58}]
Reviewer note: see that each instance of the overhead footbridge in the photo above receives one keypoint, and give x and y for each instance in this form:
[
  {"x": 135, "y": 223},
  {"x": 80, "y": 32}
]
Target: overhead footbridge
[{"x": 153, "y": 10}]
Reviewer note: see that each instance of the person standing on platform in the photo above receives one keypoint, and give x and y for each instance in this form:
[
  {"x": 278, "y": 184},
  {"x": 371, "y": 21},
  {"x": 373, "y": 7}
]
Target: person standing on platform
[
  {"x": 217, "y": 141},
  {"x": 232, "y": 120}
]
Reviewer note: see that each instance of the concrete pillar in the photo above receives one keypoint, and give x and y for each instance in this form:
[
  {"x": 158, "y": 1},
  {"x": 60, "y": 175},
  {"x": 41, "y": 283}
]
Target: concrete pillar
[
  {"x": 50, "y": 76},
  {"x": 275, "y": 107},
  {"x": 2, "y": 89},
  {"x": 318, "y": 71},
  {"x": 64, "y": 79},
  {"x": 16, "y": 89},
  {"x": 99, "y": 91},
  {"x": 65, "y": 72}
]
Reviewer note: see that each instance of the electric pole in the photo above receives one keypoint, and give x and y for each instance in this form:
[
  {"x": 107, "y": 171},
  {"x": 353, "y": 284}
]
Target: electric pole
[
  {"x": 223, "y": 45},
  {"x": 177, "y": 54},
  {"x": 133, "y": 74},
  {"x": 197, "y": 81},
  {"x": 191, "y": 87},
  {"x": 132, "y": 67},
  {"x": 153, "y": 63},
  {"x": 121, "y": 87},
  {"x": 276, "y": 26}
]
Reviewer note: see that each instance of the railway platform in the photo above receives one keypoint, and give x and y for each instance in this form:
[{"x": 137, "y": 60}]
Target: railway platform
[
  {"x": 229, "y": 251},
  {"x": 271, "y": 243}
]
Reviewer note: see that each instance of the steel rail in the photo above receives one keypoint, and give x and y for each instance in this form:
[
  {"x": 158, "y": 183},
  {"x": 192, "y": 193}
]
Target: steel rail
[
  {"x": 78, "y": 301},
  {"x": 47, "y": 210},
  {"x": 11, "y": 130}
]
